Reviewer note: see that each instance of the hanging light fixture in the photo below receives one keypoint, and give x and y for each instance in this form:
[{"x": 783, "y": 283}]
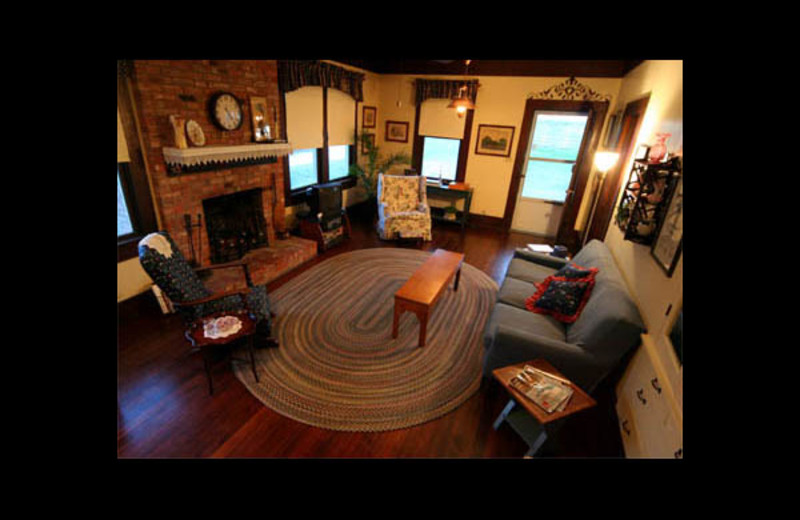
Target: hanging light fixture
[{"x": 462, "y": 102}]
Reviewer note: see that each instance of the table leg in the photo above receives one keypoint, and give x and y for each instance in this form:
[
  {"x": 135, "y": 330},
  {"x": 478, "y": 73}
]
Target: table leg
[
  {"x": 458, "y": 278},
  {"x": 502, "y": 417},
  {"x": 536, "y": 444},
  {"x": 208, "y": 372},
  {"x": 252, "y": 357},
  {"x": 423, "y": 326}
]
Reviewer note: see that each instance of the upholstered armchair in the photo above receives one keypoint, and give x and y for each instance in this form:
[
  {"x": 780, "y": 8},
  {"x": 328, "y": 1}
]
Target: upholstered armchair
[
  {"x": 403, "y": 210},
  {"x": 163, "y": 262}
]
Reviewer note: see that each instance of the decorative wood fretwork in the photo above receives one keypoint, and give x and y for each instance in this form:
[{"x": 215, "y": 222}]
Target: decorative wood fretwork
[{"x": 570, "y": 90}]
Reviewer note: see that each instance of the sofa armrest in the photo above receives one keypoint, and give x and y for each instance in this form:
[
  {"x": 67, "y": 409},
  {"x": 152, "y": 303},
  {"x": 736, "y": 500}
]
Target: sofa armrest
[
  {"x": 513, "y": 346},
  {"x": 539, "y": 258}
]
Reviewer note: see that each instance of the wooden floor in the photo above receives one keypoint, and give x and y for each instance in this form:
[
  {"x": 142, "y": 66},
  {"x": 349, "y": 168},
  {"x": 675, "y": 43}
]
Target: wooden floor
[{"x": 164, "y": 409}]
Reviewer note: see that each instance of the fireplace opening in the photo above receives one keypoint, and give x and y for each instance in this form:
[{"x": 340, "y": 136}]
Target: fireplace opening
[{"x": 235, "y": 224}]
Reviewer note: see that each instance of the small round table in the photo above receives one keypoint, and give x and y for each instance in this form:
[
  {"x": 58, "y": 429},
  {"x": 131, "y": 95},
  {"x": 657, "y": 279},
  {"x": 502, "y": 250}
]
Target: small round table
[{"x": 196, "y": 337}]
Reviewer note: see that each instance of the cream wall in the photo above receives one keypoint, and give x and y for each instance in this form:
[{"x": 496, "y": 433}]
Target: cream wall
[{"x": 651, "y": 287}]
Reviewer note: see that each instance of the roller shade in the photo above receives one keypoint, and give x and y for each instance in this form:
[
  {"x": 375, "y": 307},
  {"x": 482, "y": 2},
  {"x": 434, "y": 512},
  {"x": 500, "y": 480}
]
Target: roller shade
[
  {"x": 304, "y": 118},
  {"x": 341, "y": 118},
  {"x": 122, "y": 144},
  {"x": 436, "y": 120}
]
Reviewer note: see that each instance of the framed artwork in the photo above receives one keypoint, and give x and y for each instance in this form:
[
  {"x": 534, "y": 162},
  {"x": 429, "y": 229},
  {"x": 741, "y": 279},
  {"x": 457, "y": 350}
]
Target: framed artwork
[
  {"x": 613, "y": 131},
  {"x": 258, "y": 115},
  {"x": 367, "y": 138},
  {"x": 368, "y": 117},
  {"x": 667, "y": 246},
  {"x": 397, "y": 131},
  {"x": 494, "y": 140},
  {"x": 642, "y": 152}
]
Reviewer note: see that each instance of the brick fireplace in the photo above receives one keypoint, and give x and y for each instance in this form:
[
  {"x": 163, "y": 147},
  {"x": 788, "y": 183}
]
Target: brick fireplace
[{"x": 183, "y": 88}]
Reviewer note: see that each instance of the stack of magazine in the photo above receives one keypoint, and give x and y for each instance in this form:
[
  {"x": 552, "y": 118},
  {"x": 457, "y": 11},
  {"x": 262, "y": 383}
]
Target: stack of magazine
[{"x": 550, "y": 392}]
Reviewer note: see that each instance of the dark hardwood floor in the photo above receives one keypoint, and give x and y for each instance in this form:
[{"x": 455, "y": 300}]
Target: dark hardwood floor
[{"x": 164, "y": 409}]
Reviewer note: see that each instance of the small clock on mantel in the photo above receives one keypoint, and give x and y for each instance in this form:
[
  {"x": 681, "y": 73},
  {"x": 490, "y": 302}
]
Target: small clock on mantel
[{"x": 226, "y": 111}]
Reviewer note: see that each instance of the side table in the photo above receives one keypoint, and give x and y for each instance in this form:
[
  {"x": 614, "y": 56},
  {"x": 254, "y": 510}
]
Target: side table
[
  {"x": 530, "y": 421},
  {"x": 198, "y": 340}
]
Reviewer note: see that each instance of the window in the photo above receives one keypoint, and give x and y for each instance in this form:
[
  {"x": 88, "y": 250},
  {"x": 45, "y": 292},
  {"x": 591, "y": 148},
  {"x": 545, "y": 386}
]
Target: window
[
  {"x": 555, "y": 144},
  {"x": 338, "y": 162},
  {"x": 303, "y": 168},
  {"x": 124, "y": 224},
  {"x": 440, "y": 157},
  {"x": 320, "y": 124}
]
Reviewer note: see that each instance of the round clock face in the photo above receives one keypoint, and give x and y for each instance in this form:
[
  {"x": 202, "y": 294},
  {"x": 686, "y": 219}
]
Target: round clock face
[{"x": 227, "y": 111}]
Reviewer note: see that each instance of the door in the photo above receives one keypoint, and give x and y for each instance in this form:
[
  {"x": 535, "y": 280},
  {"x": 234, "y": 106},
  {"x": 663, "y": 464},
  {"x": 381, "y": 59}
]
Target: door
[
  {"x": 553, "y": 150},
  {"x": 554, "y": 156},
  {"x": 631, "y": 122}
]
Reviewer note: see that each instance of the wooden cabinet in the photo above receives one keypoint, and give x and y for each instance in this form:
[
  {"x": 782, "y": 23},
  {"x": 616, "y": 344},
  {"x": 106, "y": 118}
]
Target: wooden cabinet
[{"x": 650, "y": 424}]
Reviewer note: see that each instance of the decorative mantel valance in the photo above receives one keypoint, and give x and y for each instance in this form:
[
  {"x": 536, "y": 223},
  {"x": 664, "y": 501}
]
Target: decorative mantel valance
[
  {"x": 295, "y": 74},
  {"x": 444, "y": 89},
  {"x": 571, "y": 90}
]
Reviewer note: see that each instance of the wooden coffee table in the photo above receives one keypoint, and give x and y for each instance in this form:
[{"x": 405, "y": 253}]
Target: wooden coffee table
[{"x": 425, "y": 287}]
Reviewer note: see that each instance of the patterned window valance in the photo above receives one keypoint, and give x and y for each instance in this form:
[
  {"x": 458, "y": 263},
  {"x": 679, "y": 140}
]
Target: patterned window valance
[
  {"x": 572, "y": 90},
  {"x": 294, "y": 74},
  {"x": 444, "y": 88}
]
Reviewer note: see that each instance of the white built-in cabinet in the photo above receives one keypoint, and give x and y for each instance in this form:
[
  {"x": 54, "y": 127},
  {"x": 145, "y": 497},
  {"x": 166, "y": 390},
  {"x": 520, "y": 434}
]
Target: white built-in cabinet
[{"x": 650, "y": 417}]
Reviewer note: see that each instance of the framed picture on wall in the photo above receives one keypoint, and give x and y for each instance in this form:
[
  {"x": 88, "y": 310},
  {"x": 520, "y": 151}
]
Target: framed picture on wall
[
  {"x": 258, "y": 115},
  {"x": 667, "y": 246},
  {"x": 494, "y": 140},
  {"x": 397, "y": 131},
  {"x": 368, "y": 142},
  {"x": 368, "y": 116}
]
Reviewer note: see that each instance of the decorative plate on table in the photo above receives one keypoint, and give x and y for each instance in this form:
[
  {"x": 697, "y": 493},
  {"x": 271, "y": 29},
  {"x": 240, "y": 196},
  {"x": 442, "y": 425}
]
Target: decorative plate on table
[
  {"x": 222, "y": 327},
  {"x": 195, "y": 133}
]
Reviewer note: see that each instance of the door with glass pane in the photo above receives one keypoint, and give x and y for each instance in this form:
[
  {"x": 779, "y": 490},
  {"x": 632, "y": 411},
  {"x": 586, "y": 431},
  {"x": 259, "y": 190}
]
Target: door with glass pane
[{"x": 556, "y": 139}]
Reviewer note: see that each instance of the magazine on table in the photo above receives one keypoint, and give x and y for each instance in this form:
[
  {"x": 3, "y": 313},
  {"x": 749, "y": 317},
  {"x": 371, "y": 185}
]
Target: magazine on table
[
  {"x": 540, "y": 248},
  {"x": 550, "y": 392}
]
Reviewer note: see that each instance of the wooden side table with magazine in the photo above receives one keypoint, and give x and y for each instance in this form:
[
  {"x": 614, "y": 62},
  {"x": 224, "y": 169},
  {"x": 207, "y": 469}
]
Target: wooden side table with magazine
[{"x": 543, "y": 383}]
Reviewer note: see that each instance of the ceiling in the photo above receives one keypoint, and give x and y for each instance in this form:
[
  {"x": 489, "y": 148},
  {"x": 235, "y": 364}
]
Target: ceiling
[{"x": 582, "y": 68}]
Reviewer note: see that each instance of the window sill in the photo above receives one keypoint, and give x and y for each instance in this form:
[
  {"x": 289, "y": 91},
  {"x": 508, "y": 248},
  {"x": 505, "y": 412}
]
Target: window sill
[
  {"x": 298, "y": 196},
  {"x": 128, "y": 247}
]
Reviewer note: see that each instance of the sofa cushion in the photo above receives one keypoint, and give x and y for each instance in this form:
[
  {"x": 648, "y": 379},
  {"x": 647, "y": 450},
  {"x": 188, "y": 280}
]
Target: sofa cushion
[
  {"x": 514, "y": 292},
  {"x": 610, "y": 323},
  {"x": 524, "y": 320},
  {"x": 574, "y": 271},
  {"x": 528, "y": 271}
]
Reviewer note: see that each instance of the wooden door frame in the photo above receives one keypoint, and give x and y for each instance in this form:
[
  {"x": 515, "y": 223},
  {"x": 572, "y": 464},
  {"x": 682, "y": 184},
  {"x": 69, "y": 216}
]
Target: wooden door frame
[
  {"x": 597, "y": 113},
  {"x": 606, "y": 202}
]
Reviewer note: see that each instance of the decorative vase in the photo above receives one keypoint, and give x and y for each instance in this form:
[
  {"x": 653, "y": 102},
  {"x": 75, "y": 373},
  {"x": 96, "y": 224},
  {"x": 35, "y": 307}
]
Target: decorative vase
[
  {"x": 659, "y": 150},
  {"x": 179, "y": 132}
]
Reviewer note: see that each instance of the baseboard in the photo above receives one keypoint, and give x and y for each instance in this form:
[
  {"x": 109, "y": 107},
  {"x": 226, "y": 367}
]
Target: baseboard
[{"x": 485, "y": 221}]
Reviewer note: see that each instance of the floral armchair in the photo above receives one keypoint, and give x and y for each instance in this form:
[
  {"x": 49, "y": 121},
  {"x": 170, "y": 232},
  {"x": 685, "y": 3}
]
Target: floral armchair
[
  {"x": 403, "y": 210},
  {"x": 163, "y": 262}
]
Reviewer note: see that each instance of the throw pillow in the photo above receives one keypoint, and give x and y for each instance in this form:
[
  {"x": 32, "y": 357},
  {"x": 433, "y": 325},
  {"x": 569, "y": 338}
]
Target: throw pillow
[
  {"x": 561, "y": 298},
  {"x": 575, "y": 271}
]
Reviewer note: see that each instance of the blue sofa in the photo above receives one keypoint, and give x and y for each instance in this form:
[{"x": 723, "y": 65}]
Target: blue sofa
[{"x": 585, "y": 351}]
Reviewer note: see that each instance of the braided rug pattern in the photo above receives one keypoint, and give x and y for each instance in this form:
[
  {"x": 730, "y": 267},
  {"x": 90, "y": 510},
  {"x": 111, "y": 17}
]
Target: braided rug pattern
[{"x": 337, "y": 366}]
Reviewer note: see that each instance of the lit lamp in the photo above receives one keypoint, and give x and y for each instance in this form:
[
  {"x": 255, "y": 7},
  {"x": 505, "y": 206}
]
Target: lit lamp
[
  {"x": 462, "y": 102},
  {"x": 603, "y": 161}
]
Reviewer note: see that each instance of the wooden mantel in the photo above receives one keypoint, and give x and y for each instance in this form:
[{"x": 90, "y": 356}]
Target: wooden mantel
[{"x": 192, "y": 160}]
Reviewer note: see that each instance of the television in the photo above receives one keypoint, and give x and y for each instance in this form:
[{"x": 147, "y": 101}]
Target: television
[{"x": 326, "y": 199}]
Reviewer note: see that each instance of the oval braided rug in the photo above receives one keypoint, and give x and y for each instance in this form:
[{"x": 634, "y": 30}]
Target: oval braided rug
[{"x": 337, "y": 366}]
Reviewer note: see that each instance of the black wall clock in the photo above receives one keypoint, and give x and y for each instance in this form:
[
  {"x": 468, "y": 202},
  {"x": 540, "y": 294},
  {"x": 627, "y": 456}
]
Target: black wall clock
[{"x": 226, "y": 111}]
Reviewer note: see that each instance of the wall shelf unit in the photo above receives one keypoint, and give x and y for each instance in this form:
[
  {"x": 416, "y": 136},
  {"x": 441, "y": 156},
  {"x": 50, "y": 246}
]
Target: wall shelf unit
[{"x": 645, "y": 197}]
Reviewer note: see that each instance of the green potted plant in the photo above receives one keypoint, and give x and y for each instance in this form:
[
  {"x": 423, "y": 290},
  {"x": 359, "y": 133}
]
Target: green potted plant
[{"x": 374, "y": 164}]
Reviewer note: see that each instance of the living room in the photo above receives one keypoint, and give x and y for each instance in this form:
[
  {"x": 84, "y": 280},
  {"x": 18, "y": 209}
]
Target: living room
[{"x": 277, "y": 218}]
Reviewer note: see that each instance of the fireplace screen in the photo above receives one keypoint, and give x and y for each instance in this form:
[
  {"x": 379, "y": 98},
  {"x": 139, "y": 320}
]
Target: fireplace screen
[{"x": 235, "y": 224}]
